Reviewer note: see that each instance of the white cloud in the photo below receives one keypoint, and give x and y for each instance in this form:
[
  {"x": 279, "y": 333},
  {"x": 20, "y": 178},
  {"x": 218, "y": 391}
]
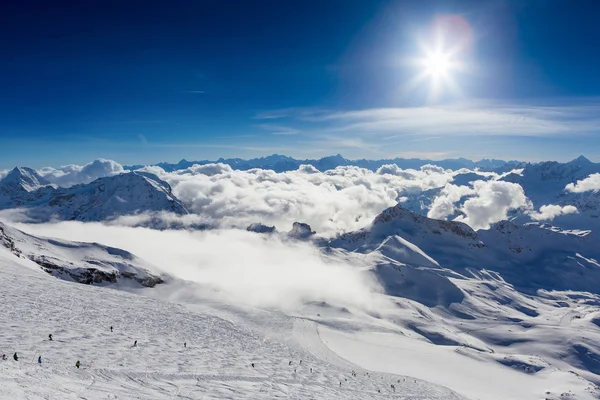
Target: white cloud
[
  {"x": 590, "y": 183},
  {"x": 551, "y": 211},
  {"x": 492, "y": 202},
  {"x": 443, "y": 205},
  {"x": 70, "y": 175},
  {"x": 343, "y": 199},
  {"x": 3, "y": 173},
  {"x": 234, "y": 265}
]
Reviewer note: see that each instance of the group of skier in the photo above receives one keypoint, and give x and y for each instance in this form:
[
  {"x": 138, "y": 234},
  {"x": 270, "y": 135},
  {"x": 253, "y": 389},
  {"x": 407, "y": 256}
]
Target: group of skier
[{"x": 39, "y": 360}]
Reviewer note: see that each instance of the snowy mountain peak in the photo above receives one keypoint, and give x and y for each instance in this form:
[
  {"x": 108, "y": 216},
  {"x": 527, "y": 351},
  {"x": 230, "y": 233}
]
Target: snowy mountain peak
[
  {"x": 409, "y": 220},
  {"x": 105, "y": 198},
  {"x": 110, "y": 197},
  {"x": 25, "y": 179},
  {"x": 581, "y": 160}
]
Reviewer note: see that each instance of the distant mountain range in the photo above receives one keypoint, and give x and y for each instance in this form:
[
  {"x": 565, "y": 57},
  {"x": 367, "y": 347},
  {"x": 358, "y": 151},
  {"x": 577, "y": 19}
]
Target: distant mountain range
[{"x": 280, "y": 163}]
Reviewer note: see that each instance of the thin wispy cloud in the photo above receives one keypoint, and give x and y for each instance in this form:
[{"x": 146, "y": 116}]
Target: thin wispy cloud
[
  {"x": 195, "y": 91},
  {"x": 279, "y": 129},
  {"x": 142, "y": 138},
  {"x": 481, "y": 118},
  {"x": 292, "y": 112}
]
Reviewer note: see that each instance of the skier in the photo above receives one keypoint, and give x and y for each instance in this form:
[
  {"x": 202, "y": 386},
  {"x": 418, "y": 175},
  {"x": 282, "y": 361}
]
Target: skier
[
  {"x": 111, "y": 328},
  {"x": 252, "y": 365},
  {"x": 290, "y": 363},
  {"x": 40, "y": 360},
  {"x": 16, "y": 357},
  {"x": 77, "y": 364},
  {"x": 3, "y": 357},
  {"x": 135, "y": 344},
  {"x": 184, "y": 344},
  {"x": 393, "y": 388},
  {"x": 50, "y": 337}
]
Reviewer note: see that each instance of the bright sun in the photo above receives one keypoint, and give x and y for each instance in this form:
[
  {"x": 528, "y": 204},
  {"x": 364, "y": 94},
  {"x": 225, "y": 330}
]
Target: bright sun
[
  {"x": 437, "y": 64},
  {"x": 443, "y": 59}
]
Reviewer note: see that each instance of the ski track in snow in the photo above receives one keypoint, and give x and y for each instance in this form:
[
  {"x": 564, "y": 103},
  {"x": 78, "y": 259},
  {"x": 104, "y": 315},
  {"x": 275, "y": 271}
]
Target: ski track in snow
[{"x": 215, "y": 365}]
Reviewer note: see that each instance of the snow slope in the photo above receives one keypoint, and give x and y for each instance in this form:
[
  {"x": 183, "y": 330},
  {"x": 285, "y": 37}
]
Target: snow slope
[
  {"x": 79, "y": 262},
  {"x": 216, "y": 364},
  {"x": 525, "y": 297}
]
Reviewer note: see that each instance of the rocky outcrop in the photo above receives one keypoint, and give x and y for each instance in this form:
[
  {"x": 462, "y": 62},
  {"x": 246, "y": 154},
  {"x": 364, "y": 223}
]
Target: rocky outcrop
[
  {"x": 260, "y": 228},
  {"x": 301, "y": 230}
]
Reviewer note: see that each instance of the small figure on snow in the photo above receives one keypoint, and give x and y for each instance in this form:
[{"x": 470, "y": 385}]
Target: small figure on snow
[
  {"x": 111, "y": 328},
  {"x": 311, "y": 370},
  {"x": 252, "y": 365},
  {"x": 3, "y": 357},
  {"x": 39, "y": 359},
  {"x": 184, "y": 344},
  {"x": 300, "y": 362},
  {"x": 77, "y": 364},
  {"x": 393, "y": 387},
  {"x": 50, "y": 337},
  {"x": 290, "y": 363},
  {"x": 135, "y": 344},
  {"x": 16, "y": 357}
]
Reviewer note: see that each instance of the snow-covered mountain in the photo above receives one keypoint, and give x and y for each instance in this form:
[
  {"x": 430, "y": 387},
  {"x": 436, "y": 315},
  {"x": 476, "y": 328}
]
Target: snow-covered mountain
[
  {"x": 103, "y": 199},
  {"x": 529, "y": 257},
  {"x": 22, "y": 186},
  {"x": 544, "y": 183},
  {"x": 89, "y": 263}
]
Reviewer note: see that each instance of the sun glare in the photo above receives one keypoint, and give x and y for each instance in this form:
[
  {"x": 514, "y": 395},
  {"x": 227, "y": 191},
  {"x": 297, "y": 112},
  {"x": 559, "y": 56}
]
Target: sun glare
[
  {"x": 443, "y": 59},
  {"x": 438, "y": 64}
]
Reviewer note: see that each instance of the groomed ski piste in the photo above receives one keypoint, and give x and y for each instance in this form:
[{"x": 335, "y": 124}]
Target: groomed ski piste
[{"x": 290, "y": 359}]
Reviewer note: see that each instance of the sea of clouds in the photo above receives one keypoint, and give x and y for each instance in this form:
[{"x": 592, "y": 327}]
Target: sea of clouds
[{"x": 339, "y": 200}]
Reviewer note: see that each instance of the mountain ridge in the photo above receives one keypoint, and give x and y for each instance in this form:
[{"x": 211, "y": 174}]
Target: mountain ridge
[{"x": 282, "y": 163}]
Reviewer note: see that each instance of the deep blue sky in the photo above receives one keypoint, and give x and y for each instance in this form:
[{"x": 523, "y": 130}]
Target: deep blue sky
[{"x": 148, "y": 81}]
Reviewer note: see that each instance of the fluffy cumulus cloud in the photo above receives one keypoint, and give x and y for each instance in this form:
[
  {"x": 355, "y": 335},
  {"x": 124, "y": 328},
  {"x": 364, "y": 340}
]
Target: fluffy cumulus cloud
[
  {"x": 70, "y": 175},
  {"x": 492, "y": 202},
  {"x": 444, "y": 205},
  {"x": 342, "y": 199},
  {"x": 590, "y": 183},
  {"x": 551, "y": 211},
  {"x": 3, "y": 173}
]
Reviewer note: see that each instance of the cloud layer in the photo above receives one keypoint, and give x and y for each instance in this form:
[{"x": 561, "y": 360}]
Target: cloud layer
[
  {"x": 234, "y": 265},
  {"x": 343, "y": 199}
]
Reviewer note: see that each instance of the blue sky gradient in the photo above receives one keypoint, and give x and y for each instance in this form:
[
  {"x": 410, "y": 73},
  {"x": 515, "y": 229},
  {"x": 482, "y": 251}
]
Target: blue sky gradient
[{"x": 150, "y": 81}]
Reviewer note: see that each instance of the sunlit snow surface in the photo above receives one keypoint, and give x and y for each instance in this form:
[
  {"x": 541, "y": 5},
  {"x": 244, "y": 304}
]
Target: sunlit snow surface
[{"x": 216, "y": 364}]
